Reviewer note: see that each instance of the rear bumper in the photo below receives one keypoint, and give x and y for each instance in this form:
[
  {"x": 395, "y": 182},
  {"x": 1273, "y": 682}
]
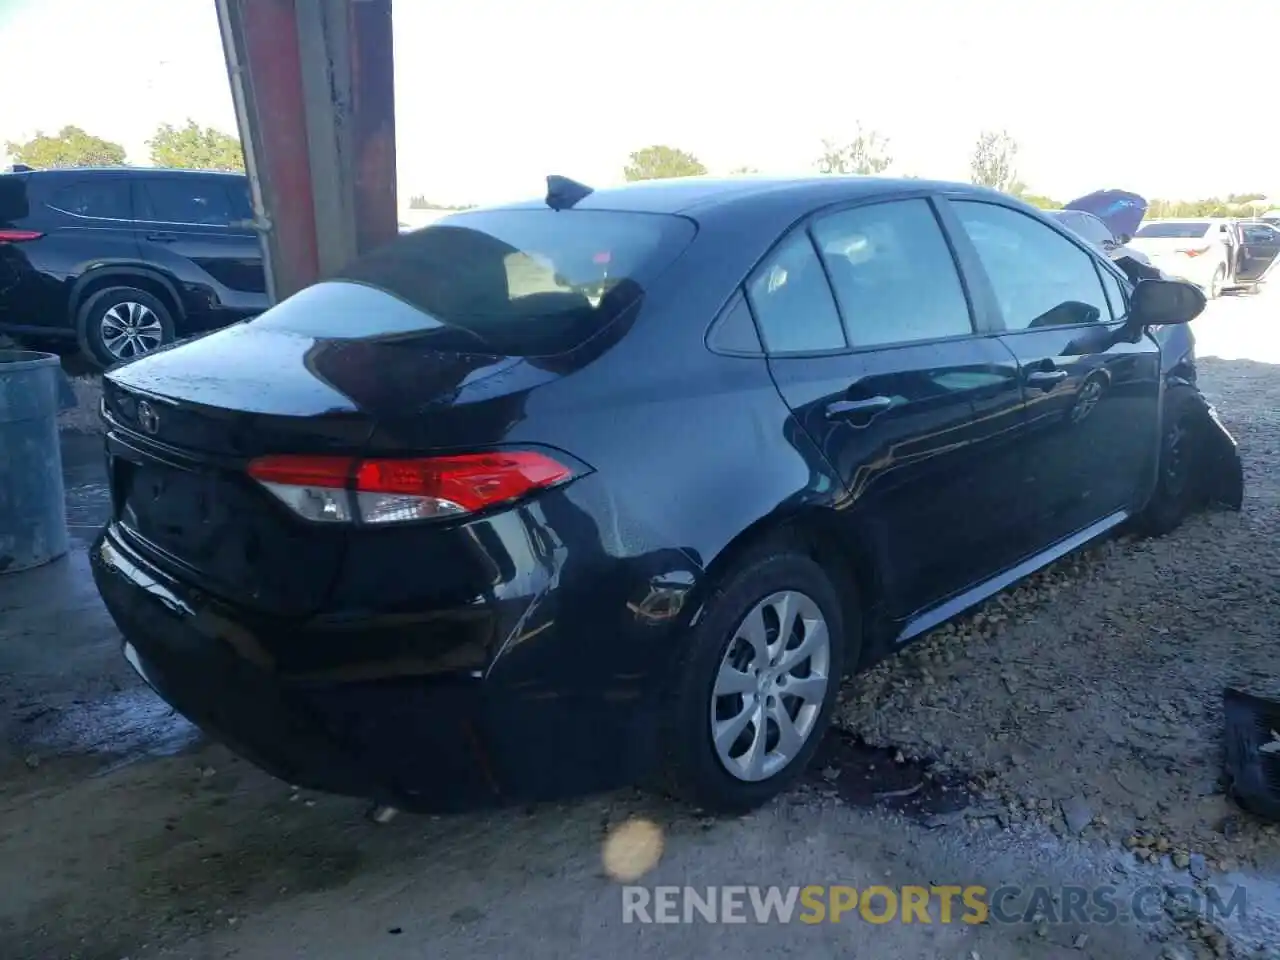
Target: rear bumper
[
  {"x": 1192, "y": 270},
  {"x": 451, "y": 741}
]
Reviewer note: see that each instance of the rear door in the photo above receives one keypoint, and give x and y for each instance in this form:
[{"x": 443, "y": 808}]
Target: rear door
[
  {"x": 1259, "y": 251},
  {"x": 203, "y": 220},
  {"x": 871, "y": 342},
  {"x": 1092, "y": 401},
  {"x": 83, "y": 220}
]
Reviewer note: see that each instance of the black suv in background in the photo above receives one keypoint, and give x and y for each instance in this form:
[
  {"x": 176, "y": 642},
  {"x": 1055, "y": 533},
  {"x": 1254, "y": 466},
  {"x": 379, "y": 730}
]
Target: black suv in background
[{"x": 121, "y": 260}]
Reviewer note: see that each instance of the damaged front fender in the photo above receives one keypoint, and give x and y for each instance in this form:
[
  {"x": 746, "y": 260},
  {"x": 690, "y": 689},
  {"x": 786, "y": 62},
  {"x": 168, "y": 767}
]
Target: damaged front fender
[
  {"x": 1222, "y": 472},
  {"x": 1219, "y": 469}
]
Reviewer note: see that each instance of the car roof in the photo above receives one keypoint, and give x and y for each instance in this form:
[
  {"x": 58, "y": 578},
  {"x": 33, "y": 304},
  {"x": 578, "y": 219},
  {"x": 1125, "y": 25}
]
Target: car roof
[
  {"x": 690, "y": 195},
  {"x": 80, "y": 171}
]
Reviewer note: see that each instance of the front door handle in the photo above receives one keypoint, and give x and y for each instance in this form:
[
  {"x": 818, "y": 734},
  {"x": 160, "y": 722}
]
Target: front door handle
[
  {"x": 847, "y": 409},
  {"x": 1046, "y": 378},
  {"x": 163, "y": 237}
]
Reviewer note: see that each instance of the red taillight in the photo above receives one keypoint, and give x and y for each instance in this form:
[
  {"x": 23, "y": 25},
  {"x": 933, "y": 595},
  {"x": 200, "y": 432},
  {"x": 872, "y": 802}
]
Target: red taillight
[
  {"x": 382, "y": 490},
  {"x": 18, "y": 236},
  {"x": 1193, "y": 251}
]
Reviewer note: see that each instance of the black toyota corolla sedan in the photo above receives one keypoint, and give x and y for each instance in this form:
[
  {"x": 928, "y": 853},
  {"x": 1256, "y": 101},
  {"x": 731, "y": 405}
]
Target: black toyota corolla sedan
[{"x": 614, "y": 486}]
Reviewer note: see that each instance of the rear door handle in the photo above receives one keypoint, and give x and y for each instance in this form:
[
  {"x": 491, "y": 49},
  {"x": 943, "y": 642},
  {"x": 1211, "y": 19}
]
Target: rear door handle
[
  {"x": 1046, "y": 378},
  {"x": 162, "y": 237},
  {"x": 870, "y": 407}
]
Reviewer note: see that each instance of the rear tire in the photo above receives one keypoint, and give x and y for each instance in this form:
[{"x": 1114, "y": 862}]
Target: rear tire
[
  {"x": 121, "y": 323},
  {"x": 726, "y": 776},
  {"x": 1180, "y": 487}
]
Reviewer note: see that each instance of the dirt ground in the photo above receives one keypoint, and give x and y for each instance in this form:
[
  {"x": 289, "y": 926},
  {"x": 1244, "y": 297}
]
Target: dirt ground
[{"x": 1072, "y": 727}]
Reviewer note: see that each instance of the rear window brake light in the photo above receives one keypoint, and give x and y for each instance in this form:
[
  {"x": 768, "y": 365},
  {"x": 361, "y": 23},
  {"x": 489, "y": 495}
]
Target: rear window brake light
[
  {"x": 388, "y": 490},
  {"x": 18, "y": 236}
]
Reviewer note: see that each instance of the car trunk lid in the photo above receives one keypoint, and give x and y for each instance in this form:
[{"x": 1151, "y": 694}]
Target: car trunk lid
[
  {"x": 186, "y": 423},
  {"x": 1120, "y": 210}
]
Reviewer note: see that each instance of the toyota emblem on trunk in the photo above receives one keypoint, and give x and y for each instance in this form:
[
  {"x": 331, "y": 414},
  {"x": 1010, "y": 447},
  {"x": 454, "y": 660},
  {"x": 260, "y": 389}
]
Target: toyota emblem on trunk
[{"x": 148, "y": 419}]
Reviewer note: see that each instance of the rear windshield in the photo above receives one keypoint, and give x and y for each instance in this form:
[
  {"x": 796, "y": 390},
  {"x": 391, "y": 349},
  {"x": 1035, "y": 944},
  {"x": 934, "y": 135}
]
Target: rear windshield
[
  {"x": 13, "y": 198},
  {"x": 524, "y": 282},
  {"x": 1173, "y": 230}
]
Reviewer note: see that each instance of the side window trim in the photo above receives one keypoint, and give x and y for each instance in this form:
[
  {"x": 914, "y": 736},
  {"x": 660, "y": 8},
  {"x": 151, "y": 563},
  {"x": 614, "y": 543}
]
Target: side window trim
[
  {"x": 988, "y": 318},
  {"x": 1118, "y": 312}
]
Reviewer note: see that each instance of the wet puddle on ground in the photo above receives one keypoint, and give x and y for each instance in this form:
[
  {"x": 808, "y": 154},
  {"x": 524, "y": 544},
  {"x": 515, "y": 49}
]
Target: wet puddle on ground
[
  {"x": 129, "y": 725},
  {"x": 866, "y": 776}
]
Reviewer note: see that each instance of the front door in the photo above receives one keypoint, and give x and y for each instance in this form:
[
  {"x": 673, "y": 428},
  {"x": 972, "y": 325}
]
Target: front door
[
  {"x": 1092, "y": 400},
  {"x": 195, "y": 226},
  {"x": 1258, "y": 252},
  {"x": 917, "y": 414}
]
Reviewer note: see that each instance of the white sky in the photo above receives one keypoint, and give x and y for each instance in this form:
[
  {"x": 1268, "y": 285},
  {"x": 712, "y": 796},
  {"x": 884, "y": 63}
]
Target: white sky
[{"x": 492, "y": 95}]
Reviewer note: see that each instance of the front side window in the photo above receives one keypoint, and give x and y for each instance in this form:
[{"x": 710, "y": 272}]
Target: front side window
[
  {"x": 522, "y": 282},
  {"x": 893, "y": 273},
  {"x": 1040, "y": 278},
  {"x": 792, "y": 300},
  {"x": 105, "y": 198},
  {"x": 193, "y": 200},
  {"x": 1116, "y": 294}
]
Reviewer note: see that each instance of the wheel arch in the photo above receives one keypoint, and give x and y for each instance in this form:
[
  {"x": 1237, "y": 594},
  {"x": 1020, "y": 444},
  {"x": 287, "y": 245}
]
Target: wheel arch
[
  {"x": 811, "y": 531},
  {"x": 152, "y": 281}
]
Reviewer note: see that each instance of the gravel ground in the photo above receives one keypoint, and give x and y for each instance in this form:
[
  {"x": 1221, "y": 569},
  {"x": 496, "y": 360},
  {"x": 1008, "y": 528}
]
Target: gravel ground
[{"x": 1094, "y": 689}]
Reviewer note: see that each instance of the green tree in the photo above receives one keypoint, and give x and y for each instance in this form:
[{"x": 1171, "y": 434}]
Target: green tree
[
  {"x": 419, "y": 202},
  {"x": 994, "y": 162},
  {"x": 1233, "y": 205},
  {"x": 866, "y": 154},
  {"x": 69, "y": 147},
  {"x": 660, "y": 162},
  {"x": 192, "y": 147},
  {"x": 1044, "y": 203}
]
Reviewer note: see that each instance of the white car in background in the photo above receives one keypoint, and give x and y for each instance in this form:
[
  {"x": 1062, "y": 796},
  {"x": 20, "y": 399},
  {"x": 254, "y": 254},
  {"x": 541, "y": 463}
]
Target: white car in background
[{"x": 1204, "y": 250}]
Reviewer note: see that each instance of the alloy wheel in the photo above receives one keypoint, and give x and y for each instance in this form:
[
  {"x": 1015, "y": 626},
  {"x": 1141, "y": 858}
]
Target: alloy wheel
[
  {"x": 130, "y": 329},
  {"x": 772, "y": 682}
]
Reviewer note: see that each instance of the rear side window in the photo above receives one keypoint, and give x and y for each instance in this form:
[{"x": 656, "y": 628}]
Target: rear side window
[
  {"x": 522, "y": 282},
  {"x": 1184, "y": 231},
  {"x": 193, "y": 200},
  {"x": 13, "y": 198},
  {"x": 893, "y": 274},
  {"x": 792, "y": 300},
  {"x": 101, "y": 198},
  {"x": 1040, "y": 278}
]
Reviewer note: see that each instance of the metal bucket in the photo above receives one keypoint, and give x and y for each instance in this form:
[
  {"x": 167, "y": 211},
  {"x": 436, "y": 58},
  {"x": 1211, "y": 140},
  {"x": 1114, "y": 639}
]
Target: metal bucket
[{"x": 33, "y": 513}]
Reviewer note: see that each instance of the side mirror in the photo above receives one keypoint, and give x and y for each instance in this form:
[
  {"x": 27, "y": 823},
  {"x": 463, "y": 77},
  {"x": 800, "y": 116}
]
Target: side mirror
[
  {"x": 1166, "y": 301},
  {"x": 1123, "y": 239}
]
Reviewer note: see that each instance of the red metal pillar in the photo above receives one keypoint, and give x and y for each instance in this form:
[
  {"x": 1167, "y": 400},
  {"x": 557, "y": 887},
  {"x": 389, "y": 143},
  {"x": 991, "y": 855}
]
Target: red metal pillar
[{"x": 312, "y": 82}]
